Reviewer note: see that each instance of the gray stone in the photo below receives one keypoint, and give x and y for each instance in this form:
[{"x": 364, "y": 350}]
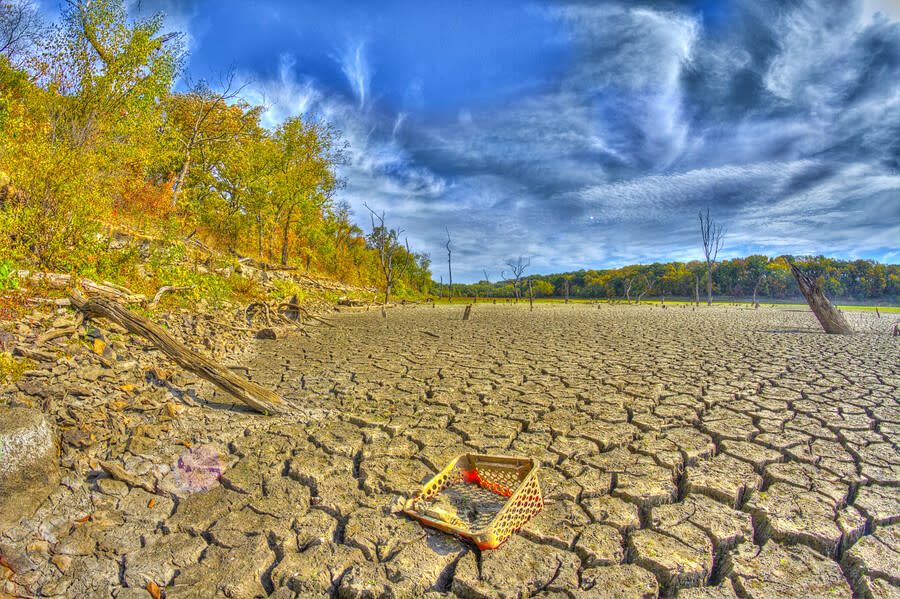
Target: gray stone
[{"x": 29, "y": 469}]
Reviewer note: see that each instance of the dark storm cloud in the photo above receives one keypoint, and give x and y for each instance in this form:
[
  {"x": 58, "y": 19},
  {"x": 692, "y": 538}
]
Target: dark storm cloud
[{"x": 593, "y": 137}]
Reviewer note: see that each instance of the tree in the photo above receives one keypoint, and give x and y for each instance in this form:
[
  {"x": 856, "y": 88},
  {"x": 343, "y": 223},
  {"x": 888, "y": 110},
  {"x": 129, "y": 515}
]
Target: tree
[
  {"x": 712, "y": 235},
  {"x": 305, "y": 180},
  {"x": 384, "y": 241},
  {"x": 20, "y": 28},
  {"x": 201, "y": 119},
  {"x": 756, "y": 272},
  {"x": 518, "y": 267},
  {"x": 449, "y": 265}
]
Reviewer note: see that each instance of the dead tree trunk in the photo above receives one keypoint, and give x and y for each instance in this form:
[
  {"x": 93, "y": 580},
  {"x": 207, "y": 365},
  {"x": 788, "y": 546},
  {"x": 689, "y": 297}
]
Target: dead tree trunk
[
  {"x": 829, "y": 317},
  {"x": 697, "y": 288},
  {"x": 258, "y": 398},
  {"x": 468, "y": 312},
  {"x": 530, "y": 296},
  {"x": 567, "y": 290}
]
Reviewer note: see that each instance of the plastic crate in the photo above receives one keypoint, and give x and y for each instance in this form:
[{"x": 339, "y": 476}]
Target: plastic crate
[{"x": 488, "y": 498}]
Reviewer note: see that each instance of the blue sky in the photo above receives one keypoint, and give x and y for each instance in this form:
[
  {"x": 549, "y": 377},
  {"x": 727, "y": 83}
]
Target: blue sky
[{"x": 587, "y": 134}]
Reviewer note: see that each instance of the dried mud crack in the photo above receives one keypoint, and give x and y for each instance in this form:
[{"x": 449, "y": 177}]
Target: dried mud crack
[{"x": 716, "y": 452}]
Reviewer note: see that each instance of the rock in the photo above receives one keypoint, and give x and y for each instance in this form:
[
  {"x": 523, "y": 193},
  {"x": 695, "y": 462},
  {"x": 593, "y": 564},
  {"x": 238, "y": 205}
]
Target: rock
[
  {"x": 515, "y": 569},
  {"x": 627, "y": 581},
  {"x": 675, "y": 563},
  {"x": 29, "y": 468},
  {"x": 785, "y": 571}
]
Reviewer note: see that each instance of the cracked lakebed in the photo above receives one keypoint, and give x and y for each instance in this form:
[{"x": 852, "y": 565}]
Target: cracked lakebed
[{"x": 685, "y": 452}]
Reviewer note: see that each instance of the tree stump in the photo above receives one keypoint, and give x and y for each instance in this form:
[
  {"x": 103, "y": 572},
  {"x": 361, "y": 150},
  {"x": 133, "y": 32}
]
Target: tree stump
[{"x": 829, "y": 317}]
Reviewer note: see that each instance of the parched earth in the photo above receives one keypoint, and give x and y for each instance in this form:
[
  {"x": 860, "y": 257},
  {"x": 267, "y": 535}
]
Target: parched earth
[{"x": 708, "y": 452}]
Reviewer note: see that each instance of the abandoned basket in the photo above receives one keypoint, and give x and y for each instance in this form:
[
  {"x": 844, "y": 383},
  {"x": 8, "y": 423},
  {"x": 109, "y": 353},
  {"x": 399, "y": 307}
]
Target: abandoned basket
[{"x": 483, "y": 498}]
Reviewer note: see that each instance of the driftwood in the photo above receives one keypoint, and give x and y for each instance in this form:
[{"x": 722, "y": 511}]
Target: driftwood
[
  {"x": 829, "y": 317},
  {"x": 468, "y": 312},
  {"x": 119, "y": 473},
  {"x": 255, "y": 396},
  {"x": 260, "y": 265},
  {"x": 34, "y": 354},
  {"x": 167, "y": 289},
  {"x": 62, "y": 281}
]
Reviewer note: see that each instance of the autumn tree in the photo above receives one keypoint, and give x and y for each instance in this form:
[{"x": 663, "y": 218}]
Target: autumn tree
[
  {"x": 204, "y": 119},
  {"x": 308, "y": 154},
  {"x": 81, "y": 127}
]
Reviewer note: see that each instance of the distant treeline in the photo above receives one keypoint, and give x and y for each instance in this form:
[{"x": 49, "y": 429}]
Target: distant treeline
[{"x": 857, "y": 280}]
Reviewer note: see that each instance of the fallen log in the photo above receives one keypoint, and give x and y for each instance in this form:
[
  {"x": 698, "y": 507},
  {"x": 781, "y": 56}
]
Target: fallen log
[
  {"x": 260, "y": 399},
  {"x": 829, "y": 317}
]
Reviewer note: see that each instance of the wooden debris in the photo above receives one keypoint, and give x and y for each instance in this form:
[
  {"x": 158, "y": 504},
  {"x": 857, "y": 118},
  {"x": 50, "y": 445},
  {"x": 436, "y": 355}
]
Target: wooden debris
[
  {"x": 829, "y": 317},
  {"x": 253, "y": 395},
  {"x": 132, "y": 480},
  {"x": 167, "y": 289}
]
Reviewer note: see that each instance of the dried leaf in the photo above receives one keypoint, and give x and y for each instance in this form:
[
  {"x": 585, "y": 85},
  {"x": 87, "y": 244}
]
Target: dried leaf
[
  {"x": 153, "y": 589},
  {"x": 99, "y": 346}
]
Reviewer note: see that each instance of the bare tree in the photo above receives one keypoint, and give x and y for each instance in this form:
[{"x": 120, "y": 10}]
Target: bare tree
[
  {"x": 518, "y": 267},
  {"x": 449, "y": 264},
  {"x": 628, "y": 284},
  {"x": 566, "y": 283},
  {"x": 713, "y": 236},
  {"x": 384, "y": 240},
  {"x": 487, "y": 279},
  {"x": 20, "y": 27}
]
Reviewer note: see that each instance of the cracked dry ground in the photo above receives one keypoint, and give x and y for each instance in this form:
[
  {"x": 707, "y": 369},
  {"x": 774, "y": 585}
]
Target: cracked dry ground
[{"x": 715, "y": 452}]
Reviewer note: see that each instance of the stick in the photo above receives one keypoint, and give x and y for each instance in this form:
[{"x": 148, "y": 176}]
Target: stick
[
  {"x": 166, "y": 289},
  {"x": 256, "y": 397}
]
